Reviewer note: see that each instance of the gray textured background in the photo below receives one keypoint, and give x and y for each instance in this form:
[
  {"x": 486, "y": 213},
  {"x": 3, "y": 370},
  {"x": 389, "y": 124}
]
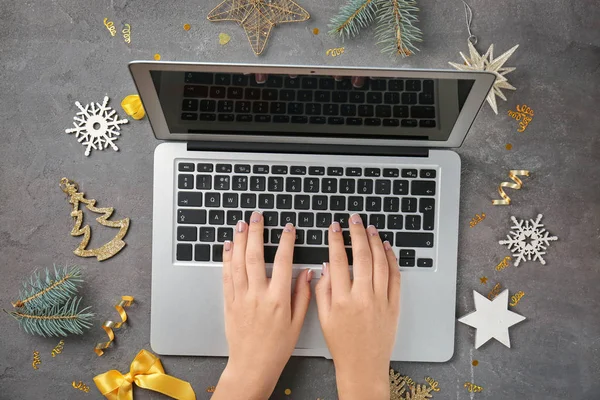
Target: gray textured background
[{"x": 56, "y": 52}]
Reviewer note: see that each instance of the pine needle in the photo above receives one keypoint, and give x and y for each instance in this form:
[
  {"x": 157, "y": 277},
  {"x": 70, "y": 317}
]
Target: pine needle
[
  {"x": 395, "y": 30},
  {"x": 38, "y": 293},
  {"x": 353, "y": 16},
  {"x": 55, "y": 321}
]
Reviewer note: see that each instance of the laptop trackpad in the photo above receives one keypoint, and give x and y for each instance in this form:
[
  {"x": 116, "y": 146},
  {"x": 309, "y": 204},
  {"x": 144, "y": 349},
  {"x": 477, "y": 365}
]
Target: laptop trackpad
[{"x": 311, "y": 336}]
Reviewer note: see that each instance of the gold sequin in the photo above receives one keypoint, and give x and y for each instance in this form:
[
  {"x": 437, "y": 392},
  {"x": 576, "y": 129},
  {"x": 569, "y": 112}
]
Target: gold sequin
[
  {"x": 475, "y": 363},
  {"x": 157, "y": 57},
  {"x": 186, "y": 27},
  {"x": 508, "y": 146},
  {"x": 287, "y": 392},
  {"x": 316, "y": 31}
]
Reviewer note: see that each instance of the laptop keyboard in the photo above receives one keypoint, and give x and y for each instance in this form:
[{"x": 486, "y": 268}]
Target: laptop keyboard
[
  {"x": 212, "y": 197},
  {"x": 407, "y": 103}
]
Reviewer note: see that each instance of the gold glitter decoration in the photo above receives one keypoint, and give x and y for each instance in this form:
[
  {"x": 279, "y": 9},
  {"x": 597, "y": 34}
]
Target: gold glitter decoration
[
  {"x": 512, "y": 174},
  {"x": 508, "y": 146},
  {"x": 483, "y": 280},
  {"x": 108, "y": 326},
  {"x": 287, "y": 392},
  {"x": 224, "y": 39},
  {"x": 132, "y": 105},
  {"x": 110, "y": 26},
  {"x": 473, "y": 388},
  {"x": 58, "y": 348},
  {"x": 503, "y": 264},
  {"x": 433, "y": 384},
  {"x": 36, "y": 360},
  {"x": 81, "y": 386},
  {"x": 516, "y": 298},
  {"x": 476, "y": 219},
  {"x": 419, "y": 392},
  {"x": 397, "y": 385},
  {"x": 258, "y": 17},
  {"x": 157, "y": 57},
  {"x": 316, "y": 31},
  {"x": 109, "y": 249},
  {"x": 127, "y": 33},
  {"x": 474, "y": 363},
  {"x": 186, "y": 27},
  {"x": 335, "y": 52},
  {"x": 211, "y": 389},
  {"x": 494, "y": 292},
  {"x": 523, "y": 112}
]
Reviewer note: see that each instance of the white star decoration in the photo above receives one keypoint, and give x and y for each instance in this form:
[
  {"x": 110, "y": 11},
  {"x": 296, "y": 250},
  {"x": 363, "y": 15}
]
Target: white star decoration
[
  {"x": 488, "y": 63},
  {"x": 491, "y": 319}
]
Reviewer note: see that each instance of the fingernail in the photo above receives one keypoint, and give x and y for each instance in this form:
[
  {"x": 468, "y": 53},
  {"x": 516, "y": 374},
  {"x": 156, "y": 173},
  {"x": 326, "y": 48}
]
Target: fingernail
[
  {"x": 241, "y": 226},
  {"x": 227, "y": 245},
  {"x": 387, "y": 245},
  {"x": 372, "y": 230},
  {"x": 336, "y": 226},
  {"x": 309, "y": 275},
  {"x": 293, "y": 76},
  {"x": 261, "y": 78},
  {"x": 288, "y": 227},
  {"x": 325, "y": 268},
  {"x": 338, "y": 78},
  {"x": 256, "y": 216},
  {"x": 355, "y": 218},
  {"x": 358, "y": 81}
]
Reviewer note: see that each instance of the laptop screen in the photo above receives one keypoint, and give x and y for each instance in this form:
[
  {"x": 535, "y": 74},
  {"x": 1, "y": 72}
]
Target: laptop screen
[{"x": 310, "y": 105}]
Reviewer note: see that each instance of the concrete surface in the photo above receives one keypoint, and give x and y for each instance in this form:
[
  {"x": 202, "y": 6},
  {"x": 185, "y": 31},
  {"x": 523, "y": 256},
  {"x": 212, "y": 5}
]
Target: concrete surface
[{"x": 56, "y": 52}]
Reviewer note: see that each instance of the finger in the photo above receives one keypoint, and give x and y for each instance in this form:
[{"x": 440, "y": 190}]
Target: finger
[
  {"x": 394, "y": 275},
  {"x": 338, "y": 261},
  {"x": 261, "y": 78},
  {"x": 361, "y": 252},
  {"x": 255, "y": 255},
  {"x": 281, "y": 278},
  {"x": 238, "y": 258},
  {"x": 301, "y": 299},
  {"x": 381, "y": 270},
  {"x": 358, "y": 81},
  {"x": 323, "y": 292},
  {"x": 228, "y": 292},
  {"x": 338, "y": 78}
]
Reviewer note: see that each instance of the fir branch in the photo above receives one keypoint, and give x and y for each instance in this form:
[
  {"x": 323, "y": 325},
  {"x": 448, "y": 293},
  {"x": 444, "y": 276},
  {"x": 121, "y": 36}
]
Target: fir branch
[
  {"x": 354, "y": 15},
  {"x": 38, "y": 294},
  {"x": 55, "y": 321},
  {"x": 396, "y": 31}
]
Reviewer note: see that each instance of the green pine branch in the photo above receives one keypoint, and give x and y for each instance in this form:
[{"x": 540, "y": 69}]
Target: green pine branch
[
  {"x": 56, "y": 320},
  {"x": 54, "y": 290},
  {"x": 396, "y": 32},
  {"x": 353, "y": 16}
]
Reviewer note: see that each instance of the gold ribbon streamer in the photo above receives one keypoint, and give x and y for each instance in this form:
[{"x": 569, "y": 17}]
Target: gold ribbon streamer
[
  {"x": 108, "y": 326},
  {"x": 512, "y": 174},
  {"x": 147, "y": 372},
  {"x": 132, "y": 105}
]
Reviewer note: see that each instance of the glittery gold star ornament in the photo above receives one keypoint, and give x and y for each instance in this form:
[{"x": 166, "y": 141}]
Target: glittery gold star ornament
[
  {"x": 258, "y": 17},
  {"x": 397, "y": 385},
  {"x": 487, "y": 62},
  {"x": 419, "y": 392},
  {"x": 109, "y": 249}
]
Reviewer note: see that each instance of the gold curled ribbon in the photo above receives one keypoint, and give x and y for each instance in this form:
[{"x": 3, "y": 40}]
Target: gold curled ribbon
[
  {"x": 36, "y": 359},
  {"x": 132, "y": 105},
  {"x": 147, "y": 372},
  {"x": 108, "y": 326},
  {"x": 58, "y": 348},
  {"x": 512, "y": 174}
]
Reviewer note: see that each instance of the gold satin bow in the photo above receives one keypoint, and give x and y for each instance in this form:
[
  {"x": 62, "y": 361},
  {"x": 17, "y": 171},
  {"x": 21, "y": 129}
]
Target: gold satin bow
[
  {"x": 132, "y": 105},
  {"x": 147, "y": 372}
]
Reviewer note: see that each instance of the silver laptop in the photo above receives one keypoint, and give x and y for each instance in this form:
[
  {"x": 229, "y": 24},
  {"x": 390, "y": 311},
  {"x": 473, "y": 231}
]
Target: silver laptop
[{"x": 311, "y": 145}]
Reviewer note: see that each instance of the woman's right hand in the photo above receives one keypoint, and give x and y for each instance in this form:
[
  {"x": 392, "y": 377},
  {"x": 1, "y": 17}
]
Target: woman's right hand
[{"x": 359, "y": 317}]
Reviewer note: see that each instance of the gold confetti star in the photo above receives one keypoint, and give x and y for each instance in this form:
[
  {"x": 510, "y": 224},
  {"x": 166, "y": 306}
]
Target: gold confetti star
[{"x": 483, "y": 280}]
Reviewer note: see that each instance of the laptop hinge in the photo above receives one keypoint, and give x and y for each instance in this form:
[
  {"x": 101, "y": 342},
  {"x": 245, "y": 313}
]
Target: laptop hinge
[{"x": 306, "y": 148}]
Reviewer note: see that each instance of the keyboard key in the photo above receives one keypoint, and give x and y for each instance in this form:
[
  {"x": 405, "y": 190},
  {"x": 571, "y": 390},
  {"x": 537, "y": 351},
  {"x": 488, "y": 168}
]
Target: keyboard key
[
  {"x": 347, "y": 239},
  {"x": 295, "y": 108},
  {"x": 428, "y": 86},
  {"x": 314, "y": 237},
  {"x": 187, "y": 233},
  {"x": 208, "y": 117},
  {"x": 339, "y": 97},
  {"x": 266, "y": 201},
  {"x": 226, "y": 117},
  {"x": 305, "y": 95},
  {"x": 319, "y": 203},
  {"x": 407, "y": 254},
  {"x": 222, "y": 182},
  {"x": 353, "y": 171},
  {"x": 208, "y": 105},
  {"x": 366, "y": 110},
  {"x": 258, "y": 183},
  {"x": 378, "y": 84},
  {"x": 391, "y": 98},
  {"x": 189, "y": 199},
  {"x": 212, "y": 199},
  {"x": 270, "y": 94},
  {"x": 357, "y": 97},
  {"x": 400, "y": 112},
  {"x": 235, "y": 93},
  {"x": 396, "y": 85},
  {"x": 287, "y": 95},
  {"x": 205, "y": 78},
  {"x": 373, "y": 204},
  {"x": 406, "y": 262},
  {"x": 335, "y": 121},
  {"x": 243, "y": 118},
  {"x": 427, "y": 173},
  {"x": 185, "y": 181},
  {"x": 425, "y": 262},
  {"x": 278, "y": 107},
  {"x": 205, "y": 167},
  {"x": 217, "y": 92},
  {"x": 326, "y": 83},
  {"x": 311, "y": 185},
  {"x": 189, "y": 116},
  {"x": 394, "y": 221},
  {"x": 348, "y": 110},
  {"x": 355, "y": 203},
  {"x": 372, "y": 121},
  {"x": 331, "y": 109},
  {"x": 275, "y": 81},
  {"x": 275, "y": 183},
  {"x": 387, "y": 235},
  {"x": 299, "y": 236},
  {"x": 195, "y": 91},
  {"x": 223, "y": 168},
  {"x": 391, "y": 204},
  {"x": 217, "y": 252},
  {"x": 313, "y": 109},
  {"x": 409, "y": 173},
  {"x": 297, "y": 170},
  {"x": 279, "y": 169},
  {"x": 202, "y": 252},
  {"x": 383, "y": 186},
  {"x": 316, "y": 170},
  {"x": 262, "y": 118},
  {"x": 322, "y": 96},
  {"x": 299, "y": 119},
  {"x": 335, "y": 171},
  {"x": 293, "y": 184},
  {"x": 374, "y": 97},
  {"x": 423, "y": 188},
  {"x": 224, "y": 234},
  {"x": 225, "y": 106},
  {"x": 239, "y": 80},
  {"x": 222, "y": 79},
  {"x": 413, "y": 85},
  {"x": 409, "y": 123},
  {"x": 247, "y": 216},
  {"x": 337, "y": 203},
  {"x": 233, "y": 217},
  {"x": 365, "y": 186},
  {"x": 342, "y": 218},
  {"x": 291, "y": 83},
  {"x": 310, "y": 83},
  {"x": 318, "y": 120},
  {"x": 189, "y": 105},
  {"x": 240, "y": 183},
  {"x": 287, "y": 218},
  {"x": 242, "y": 168},
  {"x": 409, "y": 204},
  {"x": 427, "y": 207},
  {"x": 194, "y": 217},
  {"x": 427, "y": 123},
  {"x": 301, "y": 202},
  {"x": 372, "y": 172},
  {"x": 383, "y": 111},
  {"x": 400, "y": 187},
  {"x": 391, "y": 172},
  {"x": 270, "y": 218},
  {"x": 260, "y": 107},
  {"x": 248, "y": 200},
  {"x": 216, "y": 217},
  {"x": 184, "y": 252},
  {"x": 391, "y": 122},
  {"x": 414, "y": 239},
  {"x": 230, "y": 200},
  {"x": 260, "y": 169},
  {"x": 412, "y": 223},
  {"x": 422, "y": 112},
  {"x": 252, "y": 94},
  {"x": 275, "y": 238},
  {"x": 377, "y": 220},
  {"x": 284, "y": 201},
  {"x": 347, "y": 185},
  {"x": 306, "y": 219},
  {"x": 426, "y": 98},
  {"x": 323, "y": 220}
]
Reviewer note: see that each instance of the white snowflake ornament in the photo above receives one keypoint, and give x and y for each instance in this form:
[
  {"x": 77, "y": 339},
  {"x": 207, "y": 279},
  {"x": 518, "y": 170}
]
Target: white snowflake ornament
[
  {"x": 96, "y": 126},
  {"x": 528, "y": 239}
]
